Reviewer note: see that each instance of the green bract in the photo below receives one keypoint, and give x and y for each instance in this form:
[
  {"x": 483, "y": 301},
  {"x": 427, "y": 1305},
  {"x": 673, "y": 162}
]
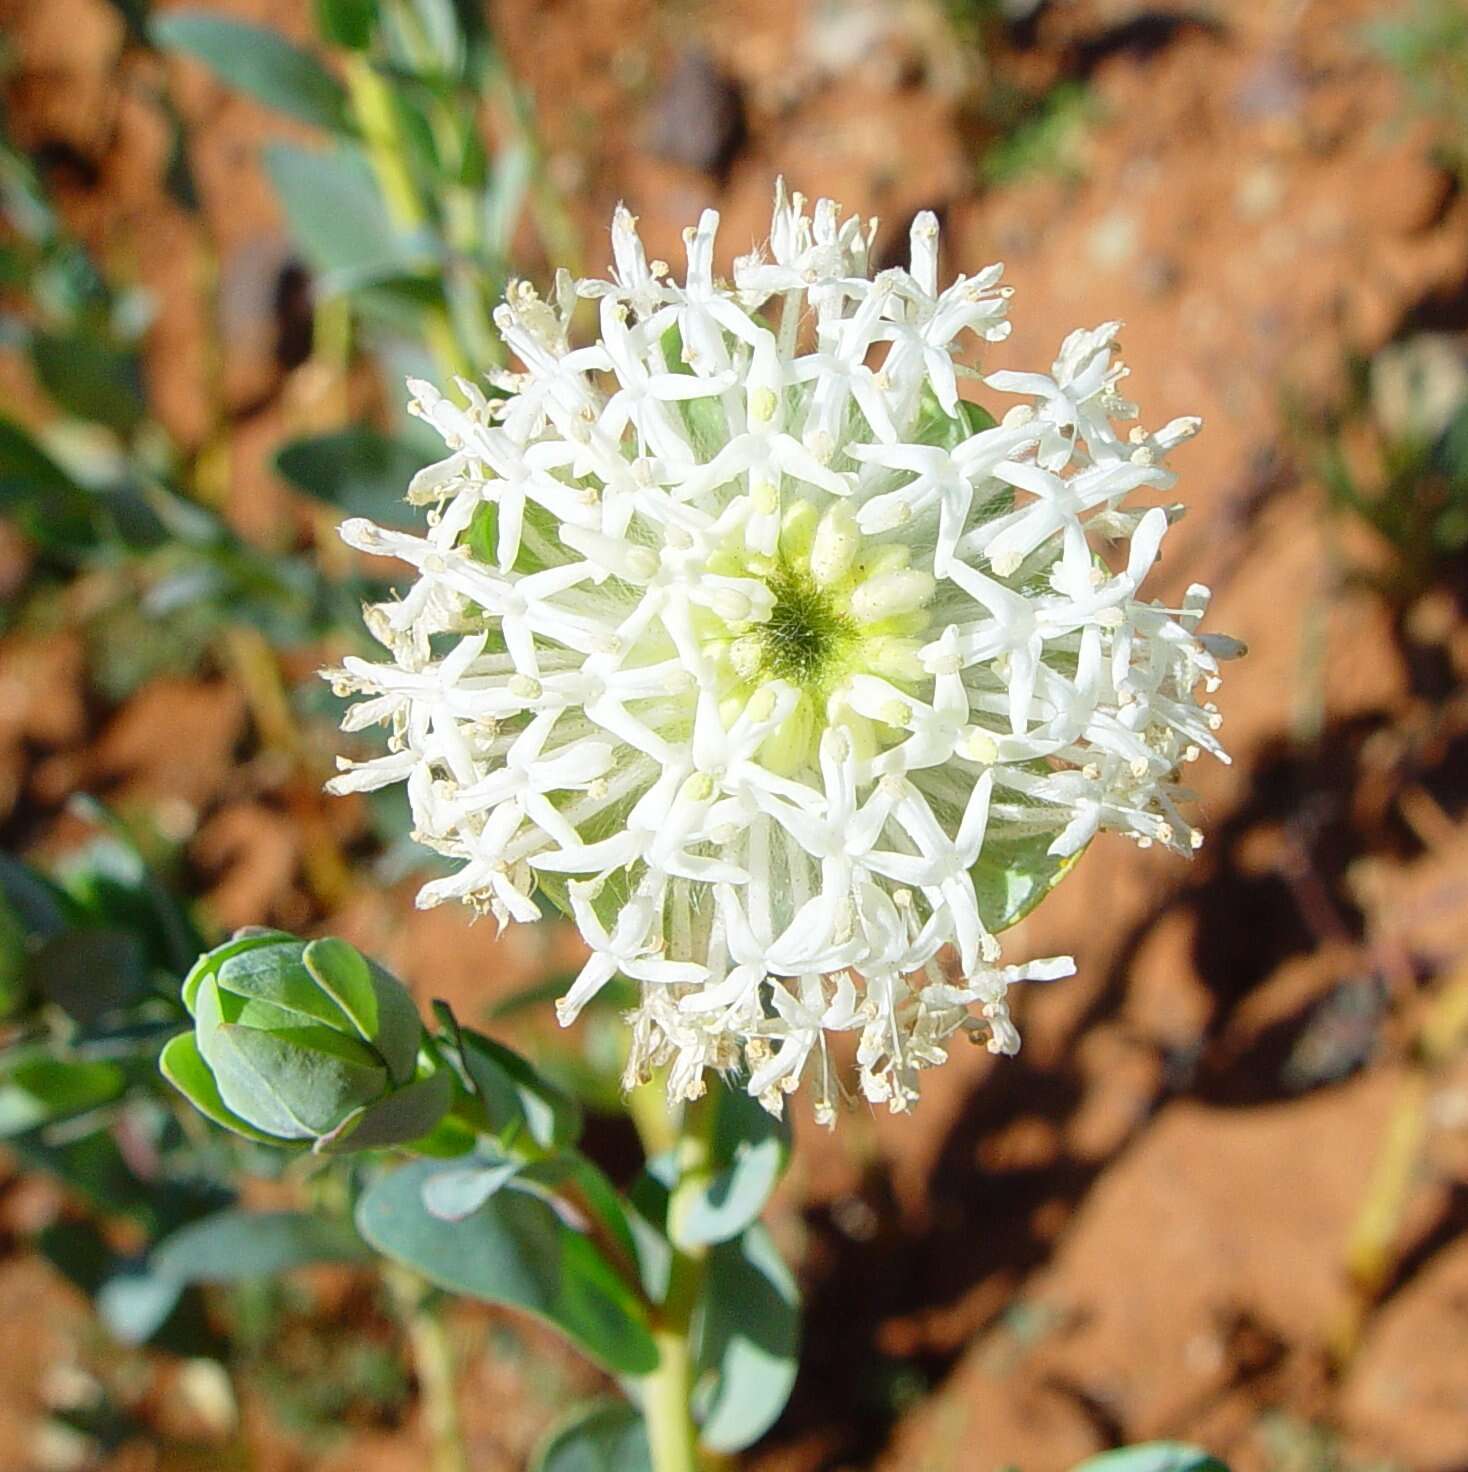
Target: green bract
[{"x": 305, "y": 1042}]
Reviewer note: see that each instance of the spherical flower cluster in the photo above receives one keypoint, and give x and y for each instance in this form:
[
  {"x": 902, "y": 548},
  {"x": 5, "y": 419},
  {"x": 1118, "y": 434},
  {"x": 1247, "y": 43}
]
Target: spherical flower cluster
[{"x": 792, "y": 674}]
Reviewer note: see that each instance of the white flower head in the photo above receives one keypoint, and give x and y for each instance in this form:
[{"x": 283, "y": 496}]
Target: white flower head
[{"x": 790, "y": 674}]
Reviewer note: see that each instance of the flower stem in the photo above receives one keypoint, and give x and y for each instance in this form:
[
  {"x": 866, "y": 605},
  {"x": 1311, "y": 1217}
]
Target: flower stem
[
  {"x": 433, "y": 1363},
  {"x": 373, "y": 107},
  {"x": 667, "y": 1404}
]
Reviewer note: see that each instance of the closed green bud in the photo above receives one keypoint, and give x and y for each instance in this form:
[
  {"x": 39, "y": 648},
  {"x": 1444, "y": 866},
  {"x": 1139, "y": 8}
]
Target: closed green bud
[{"x": 305, "y": 1042}]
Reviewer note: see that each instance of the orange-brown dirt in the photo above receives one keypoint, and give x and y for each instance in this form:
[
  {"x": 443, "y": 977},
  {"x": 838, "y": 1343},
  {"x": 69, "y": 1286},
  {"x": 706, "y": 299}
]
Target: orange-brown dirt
[{"x": 1138, "y": 1227}]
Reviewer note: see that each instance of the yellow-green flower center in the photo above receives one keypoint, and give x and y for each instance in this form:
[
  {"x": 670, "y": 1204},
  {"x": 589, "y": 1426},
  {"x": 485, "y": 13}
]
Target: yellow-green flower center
[
  {"x": 835, "y": 605},
  {"x": 806, "y": 635}
]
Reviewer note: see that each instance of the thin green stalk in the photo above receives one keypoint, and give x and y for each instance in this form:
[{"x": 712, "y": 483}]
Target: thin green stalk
[
  {"x": 433, "y": 1363},
  {"x": 376, "y": 115},
  {"x": 461, "y": 207},
  {"x": 667, "y": 1403}
]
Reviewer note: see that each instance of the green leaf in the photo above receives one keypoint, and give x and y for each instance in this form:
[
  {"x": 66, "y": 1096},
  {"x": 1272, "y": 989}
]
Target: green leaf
[
  {"x": 14, "y": 961},
  {"x": 1013, "y": 875},
  {"x": 236, "y": 1244},
  {"x": 747, "y": 1339},
  {"x": 93, "y": 1166},
  {"x": 750, "y": 1148},
  {"x": 569, "y": 1174},
  {"x": 451, "y": 1195},
  {"x": 405, "y": 1115},
  {"x": 47, "y": 504},
  {"x": 359, "y": 470},
  {"x": 343, "y": 973},
  {"x": 258, "y": 61},
  {"x": 276, "y": 974},
  {"x": 481, "y": 537},
  {"x": 111, "y": 880},
  {"x": 934, "y": 427},
  {"x": 76, "y": 1249},
  {"x": 90, "y": 379},
  {"x": 600, "y": 1436},
  {"x": 39, "y": 1090},
  {"x": 183, "y": 1067},
  {"x": 43, "y": 908},
  {"x": 514, "y": 1250},
  {"x": 504, "y": 198},
  {"x": 1046, "y": 137},
  {"x": 135, "y": 1303},
  {"x": 210, "y": 962},
  {"x": 323, "y": 981},
  {"x": 297, "y": 1082},
  {"x": 1153, "y": 1456},
  {"x": 88, "y": 973},
  {"x": 336, "y": 215},
  {"x": 348, "y": 23},
  {"x": 443, "y": 36},
  {"x": 515, "y": 1096}
]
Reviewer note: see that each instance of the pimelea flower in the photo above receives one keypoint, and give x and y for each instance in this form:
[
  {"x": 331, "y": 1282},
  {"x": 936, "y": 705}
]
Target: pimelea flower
[{"x": 795, "y": 676}]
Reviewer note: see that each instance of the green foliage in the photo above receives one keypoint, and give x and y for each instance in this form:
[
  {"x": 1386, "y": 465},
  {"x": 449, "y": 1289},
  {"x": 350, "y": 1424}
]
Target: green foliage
[
  {"x": 1040, "y": 137},
  {"x": 305, "y": 1042},
  {"x": 452, "y": 1195},
  {"x": 518, "y": 1102},
  {"x": 748, "y": 1154},
  {"x": 1426, "y": 42},
  {"x": 407, "y": 213},
  {"x": 746, "y": 1323},
  {"x": 40, "y": 1090},
  {"x": 135, "y": 1304},
  {"x": 600, "y": 1436},
  {"x": 47, "y": 504},
  {"x": 516, "y": 1249},
  {"x": 91, "y": 379},
  {"x": 258, "y": 61},
  {"x": 747, "y": 1341},
  {"x": 359, "y": 470},
  {"x": 402, "y": 213},
  {"x": 91, "y": 976},
  {"x": 338, "y": 218},
  {"x": 1012, "y": 877},
  {"x": 89, "y": 973},
  {"x": 348, "y": 23},
  {"x": 1393, "y": 454},
  {"x": 235, "y": 1244},
  {"x": 524, "y": 1219}
]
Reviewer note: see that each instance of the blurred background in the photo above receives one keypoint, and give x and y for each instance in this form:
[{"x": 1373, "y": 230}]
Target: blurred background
[{"x": 1222, "y": 1193}]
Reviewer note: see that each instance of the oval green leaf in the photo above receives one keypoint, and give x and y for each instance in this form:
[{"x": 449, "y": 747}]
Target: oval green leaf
[
  {"x": 750, "y": 1149},
  {"x": 181, "y": 1064},
  {"x": 259, "y": 61},
  {"x": 747, "y": 1341},
  {"x": 358, "y": 469},
  {"x": 232, "y": 1245},
  {"x": 601, "y": 1436},
  {"x": 514, "y": 1250},
  {"x": 336, "y": 216}
]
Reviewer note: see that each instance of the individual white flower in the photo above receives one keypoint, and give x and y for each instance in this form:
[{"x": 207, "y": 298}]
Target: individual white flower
[{"x": 794, "y": 677}]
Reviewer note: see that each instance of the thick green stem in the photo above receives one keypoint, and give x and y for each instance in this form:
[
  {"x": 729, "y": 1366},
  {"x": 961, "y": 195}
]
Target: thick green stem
[
  {"x": 668, "y": 1391},
  {"x": 668, "y": 1399}
]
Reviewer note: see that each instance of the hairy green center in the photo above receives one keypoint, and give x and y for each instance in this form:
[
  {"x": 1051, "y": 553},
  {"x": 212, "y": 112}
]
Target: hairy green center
[{"x": 805, "y": 636}]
